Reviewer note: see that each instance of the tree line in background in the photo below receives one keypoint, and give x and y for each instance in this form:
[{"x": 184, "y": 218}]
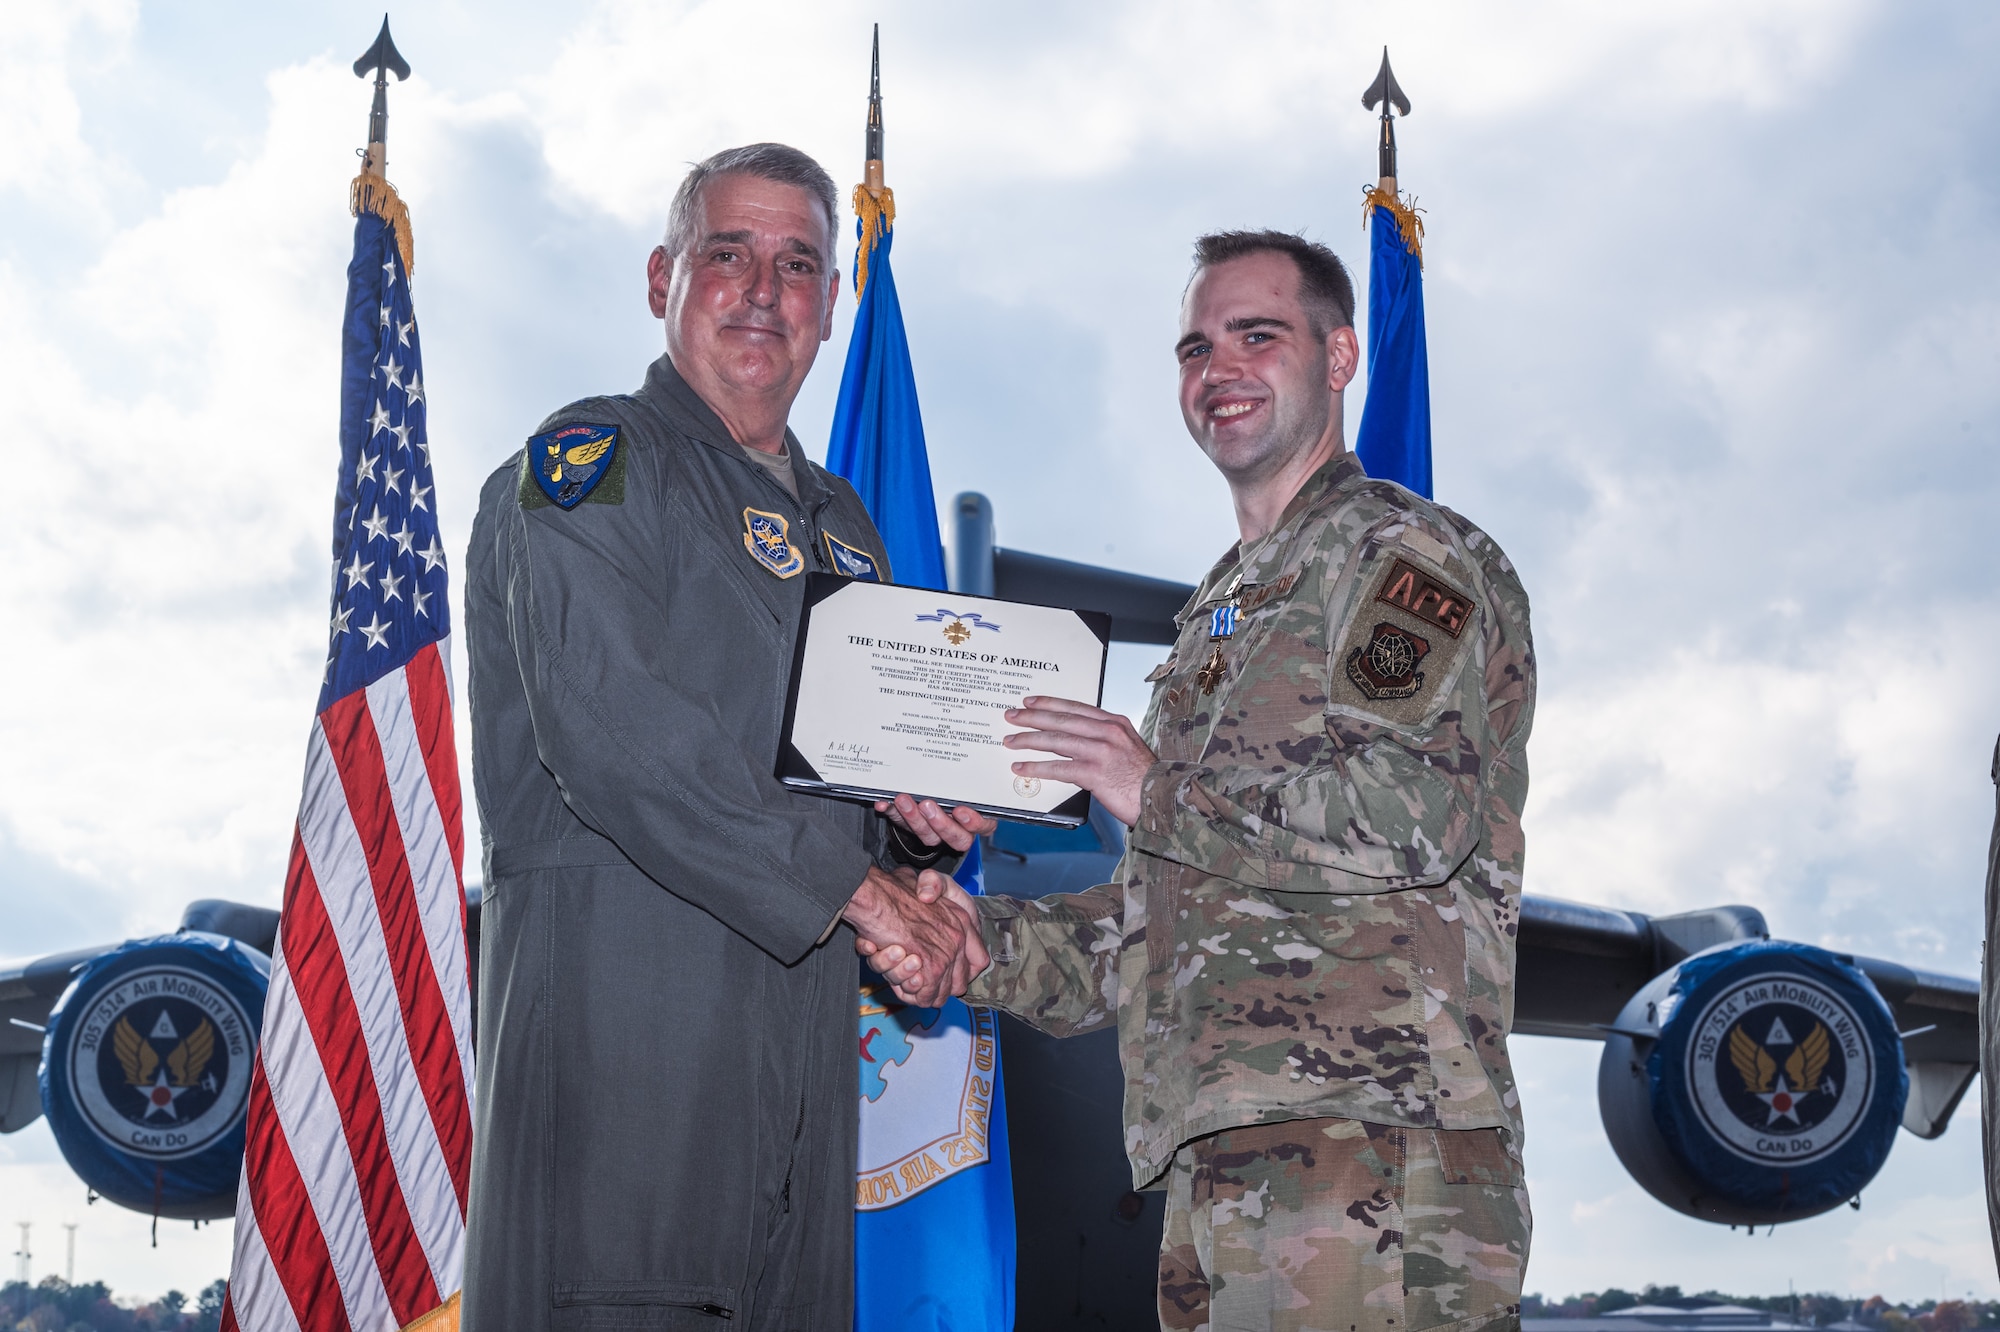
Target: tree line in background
[
  {"x": 53, "y": 1305},
  {"x": 1820, "y": 1310}
]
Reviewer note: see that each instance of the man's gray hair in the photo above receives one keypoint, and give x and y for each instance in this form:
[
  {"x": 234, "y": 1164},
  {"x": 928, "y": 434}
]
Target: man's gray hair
[{"x": 766, "y": 161}]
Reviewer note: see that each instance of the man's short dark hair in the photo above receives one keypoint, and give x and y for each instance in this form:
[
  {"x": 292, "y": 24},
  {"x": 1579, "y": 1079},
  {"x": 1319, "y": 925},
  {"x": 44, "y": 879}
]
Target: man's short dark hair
[
  {"x": 1325, "y": 290},
  {"x": 766, "y": 161}
]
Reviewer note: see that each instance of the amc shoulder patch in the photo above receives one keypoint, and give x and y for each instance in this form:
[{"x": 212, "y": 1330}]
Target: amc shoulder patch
[
  {"x": 571, "y": 464},
  {"x": 851, "y": 560},
  {"x": 1386, "y": 665},
  {"x": 1410, "y": 589},
  {"x": 767, "y": 536}
]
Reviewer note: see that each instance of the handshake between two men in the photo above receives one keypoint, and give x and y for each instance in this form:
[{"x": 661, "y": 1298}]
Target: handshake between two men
[{"x": 920, "y": 930}]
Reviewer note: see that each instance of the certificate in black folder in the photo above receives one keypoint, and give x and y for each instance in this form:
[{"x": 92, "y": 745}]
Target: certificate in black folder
[{"x": 901, "y": 689}]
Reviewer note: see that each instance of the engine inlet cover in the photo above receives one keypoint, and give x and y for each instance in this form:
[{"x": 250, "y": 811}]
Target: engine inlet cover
[
  {"x": 1754, "y": 1082},
  {"x": 146, "y": 1071}
]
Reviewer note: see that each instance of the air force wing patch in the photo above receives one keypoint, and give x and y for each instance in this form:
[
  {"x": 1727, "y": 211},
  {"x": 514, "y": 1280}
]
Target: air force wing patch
[
  {"x": 574, "y": 463},
  {"x": 852, "y": 562},
  {"x": 767, "y": 537}
]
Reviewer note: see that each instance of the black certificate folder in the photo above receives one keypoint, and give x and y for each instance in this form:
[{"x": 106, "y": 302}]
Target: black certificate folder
[{"x": 899, "y": 690}]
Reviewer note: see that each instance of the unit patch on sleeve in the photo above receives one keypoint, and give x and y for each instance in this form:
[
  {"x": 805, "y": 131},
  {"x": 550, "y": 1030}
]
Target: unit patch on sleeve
[
  {"x": 1385, "y": 667},
  {"x": 767, "y": 537},
  {"x": 571, "y": 464},
  {"x": 849, "y": 560},
  {"x": 1409, "y": 588}
]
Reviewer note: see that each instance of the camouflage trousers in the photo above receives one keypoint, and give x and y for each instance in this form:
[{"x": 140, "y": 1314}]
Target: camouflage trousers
[{"x": 1333, "y": 1225}]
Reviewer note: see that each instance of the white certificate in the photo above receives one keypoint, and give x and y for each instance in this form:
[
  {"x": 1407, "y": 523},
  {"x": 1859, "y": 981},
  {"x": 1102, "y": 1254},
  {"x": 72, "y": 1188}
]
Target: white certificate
[{"x": 901, "y": 689}]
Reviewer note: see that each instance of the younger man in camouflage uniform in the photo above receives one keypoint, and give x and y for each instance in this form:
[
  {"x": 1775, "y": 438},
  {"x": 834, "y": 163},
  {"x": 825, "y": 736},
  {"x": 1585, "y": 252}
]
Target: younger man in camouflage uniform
[{"x": 1310, "y": 950}]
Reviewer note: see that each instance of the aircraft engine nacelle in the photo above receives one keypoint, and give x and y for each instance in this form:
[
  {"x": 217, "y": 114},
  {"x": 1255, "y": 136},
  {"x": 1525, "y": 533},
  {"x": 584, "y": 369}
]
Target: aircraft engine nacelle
[
  {"x": 145, "y": 1072},
  {"x": 1754, "y": 1083}
]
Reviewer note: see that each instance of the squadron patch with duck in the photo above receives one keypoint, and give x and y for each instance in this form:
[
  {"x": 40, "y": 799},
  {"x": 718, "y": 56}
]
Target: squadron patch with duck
[{"x": 571, "y": 464}]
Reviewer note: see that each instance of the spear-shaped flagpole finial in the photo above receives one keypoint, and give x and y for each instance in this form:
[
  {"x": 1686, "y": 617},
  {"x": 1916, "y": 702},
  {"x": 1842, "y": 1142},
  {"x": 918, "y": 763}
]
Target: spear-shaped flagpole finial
[
  {"x": 871, "y": 171},
  {"x": 382, "y": 58},
  {"x": 1385, "y": 91},
  {"x": 874, "y": 202}
]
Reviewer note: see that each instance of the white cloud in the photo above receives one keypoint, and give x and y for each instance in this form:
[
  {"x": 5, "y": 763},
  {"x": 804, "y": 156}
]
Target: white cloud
[{"x": 42, "y": 148}]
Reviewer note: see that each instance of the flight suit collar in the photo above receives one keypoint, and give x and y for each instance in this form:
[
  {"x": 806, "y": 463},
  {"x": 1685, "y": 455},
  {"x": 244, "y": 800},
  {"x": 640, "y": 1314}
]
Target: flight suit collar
[
  {"x": 667, "y": 389},
  {"x": 1335, "y": 472}
]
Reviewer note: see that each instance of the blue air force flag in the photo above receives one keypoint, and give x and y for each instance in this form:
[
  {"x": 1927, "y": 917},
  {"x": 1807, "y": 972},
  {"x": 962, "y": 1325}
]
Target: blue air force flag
[
  {"x": 1394, "y": 441},
  {"x": 934, "y": 1199}
]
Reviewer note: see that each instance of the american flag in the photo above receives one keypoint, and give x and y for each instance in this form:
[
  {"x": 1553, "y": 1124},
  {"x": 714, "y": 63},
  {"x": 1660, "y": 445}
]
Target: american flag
[{"x": 351, "y": 1212}]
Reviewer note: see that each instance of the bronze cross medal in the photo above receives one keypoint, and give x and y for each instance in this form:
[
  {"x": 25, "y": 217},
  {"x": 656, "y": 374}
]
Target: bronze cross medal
[{"x": 1221, "y": 625}]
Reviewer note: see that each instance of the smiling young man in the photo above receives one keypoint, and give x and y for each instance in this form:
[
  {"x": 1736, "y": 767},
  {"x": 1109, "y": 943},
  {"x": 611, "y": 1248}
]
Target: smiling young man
[
  {"x": 1309, "y": 953},
  {"x": 667, "y": 1094}
]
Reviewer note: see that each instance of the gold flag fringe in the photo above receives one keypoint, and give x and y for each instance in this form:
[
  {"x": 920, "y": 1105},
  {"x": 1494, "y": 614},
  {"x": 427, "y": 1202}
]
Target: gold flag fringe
[
  {"x": 1409, "y": 218},
  {"x": 444, "y": 1318},
  {"x": 877, "y": 211},
  {"x": 372, "y": 194}
]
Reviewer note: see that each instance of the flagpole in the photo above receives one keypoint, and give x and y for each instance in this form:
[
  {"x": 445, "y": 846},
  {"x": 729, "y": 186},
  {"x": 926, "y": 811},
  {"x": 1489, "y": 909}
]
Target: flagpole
[
  {"x": 871, "y": 167},
  {"x": 1394, "y": 437},
  {"x": 371, "y": 191},
  {"x": 1385, "y": 91}
]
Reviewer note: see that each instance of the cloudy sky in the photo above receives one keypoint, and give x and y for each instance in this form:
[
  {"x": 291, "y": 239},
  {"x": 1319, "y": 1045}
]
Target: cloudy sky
[{"x": 1714, "y": 304}]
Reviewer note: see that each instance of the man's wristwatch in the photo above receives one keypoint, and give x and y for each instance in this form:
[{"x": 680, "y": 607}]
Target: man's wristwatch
[{"x": 908, "y": 848}]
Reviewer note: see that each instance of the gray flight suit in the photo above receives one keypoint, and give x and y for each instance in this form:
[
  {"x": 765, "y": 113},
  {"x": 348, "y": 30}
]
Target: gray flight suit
[{"x": 667, "y": 1088}]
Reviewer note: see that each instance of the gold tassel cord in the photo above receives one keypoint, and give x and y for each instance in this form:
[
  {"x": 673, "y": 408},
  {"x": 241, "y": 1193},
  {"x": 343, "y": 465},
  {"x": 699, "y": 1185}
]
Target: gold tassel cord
[
  {"x": 877, "y": 210},
  {"x": 444, "y": 1318},
  {"x": 1409, "y": 218},
  {"x": 372, "y": 194}
]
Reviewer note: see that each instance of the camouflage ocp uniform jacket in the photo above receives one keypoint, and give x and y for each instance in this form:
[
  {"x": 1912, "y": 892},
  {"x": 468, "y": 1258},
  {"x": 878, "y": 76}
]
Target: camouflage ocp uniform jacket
[{"x": 1316, "y": 913}]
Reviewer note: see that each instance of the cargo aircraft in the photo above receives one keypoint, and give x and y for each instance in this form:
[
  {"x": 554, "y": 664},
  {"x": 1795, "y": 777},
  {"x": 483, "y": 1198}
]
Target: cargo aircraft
[{"x": 1744, "y": 1080}]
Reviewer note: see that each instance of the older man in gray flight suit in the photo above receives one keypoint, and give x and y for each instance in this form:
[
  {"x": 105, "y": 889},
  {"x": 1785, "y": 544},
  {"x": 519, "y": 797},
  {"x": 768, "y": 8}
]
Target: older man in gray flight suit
[{"x": 667, "y": 1085}]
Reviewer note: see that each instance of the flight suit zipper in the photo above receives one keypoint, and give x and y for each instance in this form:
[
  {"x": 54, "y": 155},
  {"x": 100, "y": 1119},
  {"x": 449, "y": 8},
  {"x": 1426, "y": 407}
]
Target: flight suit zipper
[
  {"x": 810, "y": 526},
  {"x": 798, "y": 1131}
]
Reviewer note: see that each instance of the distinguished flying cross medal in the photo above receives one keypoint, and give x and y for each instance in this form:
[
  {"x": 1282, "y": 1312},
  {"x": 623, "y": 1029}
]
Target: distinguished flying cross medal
[
  {"x": 767, "y": 537},
  {"x": 1221, "y": 625}
]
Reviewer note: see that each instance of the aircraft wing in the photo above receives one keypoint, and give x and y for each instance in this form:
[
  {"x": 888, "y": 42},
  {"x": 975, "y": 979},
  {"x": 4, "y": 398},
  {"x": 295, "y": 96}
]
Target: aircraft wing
[
  {"x": 1580, "y": 963},
  {"x": 1142, "y": 609},
  {"x": 29, "y": 988}
]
